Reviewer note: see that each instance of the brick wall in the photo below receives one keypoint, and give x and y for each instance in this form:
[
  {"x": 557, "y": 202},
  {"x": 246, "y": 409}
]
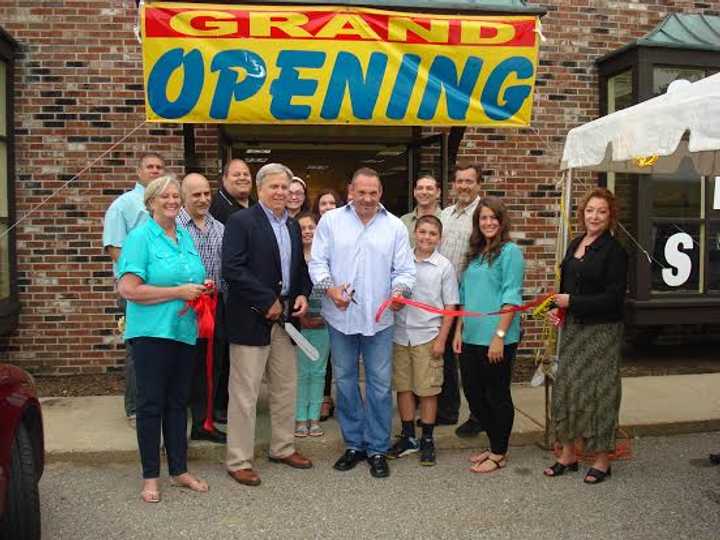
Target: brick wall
[{"x": 79, "y": 89}]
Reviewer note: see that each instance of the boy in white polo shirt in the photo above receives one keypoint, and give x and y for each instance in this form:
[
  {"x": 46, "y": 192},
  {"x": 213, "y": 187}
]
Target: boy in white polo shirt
[{"x": 419, "y": 342}]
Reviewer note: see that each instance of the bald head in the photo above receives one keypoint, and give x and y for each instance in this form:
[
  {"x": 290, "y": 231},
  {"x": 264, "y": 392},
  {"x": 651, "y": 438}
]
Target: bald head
[{"x": 196, "y": 195}]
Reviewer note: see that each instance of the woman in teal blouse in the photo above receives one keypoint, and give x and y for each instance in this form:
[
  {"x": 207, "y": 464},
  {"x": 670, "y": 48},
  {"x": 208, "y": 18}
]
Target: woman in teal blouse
[
  {"x": 492, "y": 281},
  {"x": 160, "y": 271}
]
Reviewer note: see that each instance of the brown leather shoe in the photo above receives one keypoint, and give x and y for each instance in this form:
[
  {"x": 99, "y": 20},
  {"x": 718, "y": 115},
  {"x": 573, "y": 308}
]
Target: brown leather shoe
[
  {"x": 295, "y": 460},
  {"x": 246, "y": 477}
]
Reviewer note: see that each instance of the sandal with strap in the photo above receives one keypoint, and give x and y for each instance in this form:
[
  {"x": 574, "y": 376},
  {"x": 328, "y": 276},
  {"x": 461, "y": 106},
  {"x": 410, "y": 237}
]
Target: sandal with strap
[
  {"x": 150, "y": 495},
  {"x": 497, "y": 465},
  {"x": 597, "y": 475},
  {"x": 192, "y": 483},
  {"x": 476, "y": 459},
  {"x": 558, "y": 469}
]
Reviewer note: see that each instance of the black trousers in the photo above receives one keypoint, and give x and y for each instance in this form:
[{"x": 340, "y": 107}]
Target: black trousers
[
  {"x": 163, "y": 370},
  {"x": 487, "y": 389},
  {"x": 449, "y": 398},
  {"x": 221, "y": 359}
]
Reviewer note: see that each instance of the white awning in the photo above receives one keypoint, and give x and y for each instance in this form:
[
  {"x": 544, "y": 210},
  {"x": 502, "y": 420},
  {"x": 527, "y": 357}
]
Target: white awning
[{"x": 682, "y": 123}]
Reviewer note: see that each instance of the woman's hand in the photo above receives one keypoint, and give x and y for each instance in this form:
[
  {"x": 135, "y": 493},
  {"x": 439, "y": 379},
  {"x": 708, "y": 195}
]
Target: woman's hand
[
  {"x": 553, "y": 317},
  {"x": 562, "y": 300},
  {"x": 190, "y": 291},
  {"x": 457, "y": 343},
  {"x": 496, "y": 350}
]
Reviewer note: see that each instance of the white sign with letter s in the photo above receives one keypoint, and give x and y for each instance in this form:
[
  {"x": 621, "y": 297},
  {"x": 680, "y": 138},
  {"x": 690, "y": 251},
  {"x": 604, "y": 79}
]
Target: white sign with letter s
[{"x": 679, "y": 261}]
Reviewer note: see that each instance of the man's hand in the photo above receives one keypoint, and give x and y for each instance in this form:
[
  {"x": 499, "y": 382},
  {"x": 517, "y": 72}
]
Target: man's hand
[
  {"x": 273, "y": 314},
  {"x": 395, "y": 305},
  {"x": 301, "y": 306},
  {"x": 339, "y": 296},
  {"x": 496, "y": 350},
  {"x": 438, "y": 348}
]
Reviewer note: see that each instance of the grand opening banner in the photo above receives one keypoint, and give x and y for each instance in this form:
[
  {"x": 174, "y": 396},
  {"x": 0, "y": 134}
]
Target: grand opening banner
[{"x": 251, "y": 64}]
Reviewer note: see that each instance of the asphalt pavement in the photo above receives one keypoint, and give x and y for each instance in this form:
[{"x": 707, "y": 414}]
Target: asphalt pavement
[{"x": 667, "y": 489}]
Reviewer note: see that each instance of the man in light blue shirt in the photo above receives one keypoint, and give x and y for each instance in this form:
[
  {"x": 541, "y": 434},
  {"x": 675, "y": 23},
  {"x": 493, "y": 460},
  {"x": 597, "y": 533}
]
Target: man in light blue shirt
[
  {"x": 124, "y": 214},
  {"x": 361, "y": 256}
]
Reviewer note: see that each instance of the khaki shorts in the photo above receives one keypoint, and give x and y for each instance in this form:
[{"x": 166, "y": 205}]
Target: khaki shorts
[{"x": 416, "y": 370}]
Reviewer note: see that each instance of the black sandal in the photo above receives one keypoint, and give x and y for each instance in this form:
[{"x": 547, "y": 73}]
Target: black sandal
[
  {"x": 558, "y": 469},
  {"x": 597, "y": 474},
  {"x": 715, "y": 458}
]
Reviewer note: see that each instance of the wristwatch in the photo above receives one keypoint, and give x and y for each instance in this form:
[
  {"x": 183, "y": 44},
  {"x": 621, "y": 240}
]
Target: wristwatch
[{"x": 500, "y": 333}]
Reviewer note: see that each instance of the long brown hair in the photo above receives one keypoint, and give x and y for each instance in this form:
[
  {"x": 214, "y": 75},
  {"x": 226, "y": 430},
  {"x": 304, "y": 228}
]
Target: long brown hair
[
  {"x": 316, "y": 203},
  {"x": 479, "y": 246}
]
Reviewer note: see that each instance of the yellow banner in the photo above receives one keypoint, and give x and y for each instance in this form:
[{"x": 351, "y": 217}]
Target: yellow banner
[{"x": 336, "y": 65}]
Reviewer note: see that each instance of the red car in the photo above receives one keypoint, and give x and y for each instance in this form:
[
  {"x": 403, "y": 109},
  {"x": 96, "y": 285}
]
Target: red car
[{"x": 22, "y": 455}]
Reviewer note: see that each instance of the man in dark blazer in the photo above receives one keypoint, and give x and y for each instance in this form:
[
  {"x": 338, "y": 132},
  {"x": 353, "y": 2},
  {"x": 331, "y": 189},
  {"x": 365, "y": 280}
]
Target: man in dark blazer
[{"x": 268, "y": 282}]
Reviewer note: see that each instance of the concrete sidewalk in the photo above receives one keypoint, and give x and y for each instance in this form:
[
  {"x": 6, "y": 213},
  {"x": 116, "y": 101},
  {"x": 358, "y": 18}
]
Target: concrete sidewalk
[{"x": 94, "y": 429}]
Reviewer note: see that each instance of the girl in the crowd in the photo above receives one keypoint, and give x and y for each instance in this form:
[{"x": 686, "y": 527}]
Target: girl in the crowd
[
  {"x": 492, "y": 281},
  {"x": 586, "y": 390},
  {"x": 327, "y": 199},
  {"x": 160, "y": 270},
  {"x": 311, "y": 374},
  {"x": 297, "y": 197}
]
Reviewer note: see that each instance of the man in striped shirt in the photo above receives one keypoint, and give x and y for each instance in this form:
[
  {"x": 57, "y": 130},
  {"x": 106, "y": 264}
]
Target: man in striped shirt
[{"x": 207, "y": 234}]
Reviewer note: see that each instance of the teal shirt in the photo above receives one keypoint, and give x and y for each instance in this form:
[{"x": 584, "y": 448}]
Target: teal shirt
[
  {"x": 152, "y": 256},
  {"x": 487, "y": 288},
  {"x": 125, "y": 213}
]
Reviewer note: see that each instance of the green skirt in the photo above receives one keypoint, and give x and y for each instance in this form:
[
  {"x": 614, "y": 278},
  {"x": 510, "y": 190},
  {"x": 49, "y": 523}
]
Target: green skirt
[{"x": 587, "y": 389}]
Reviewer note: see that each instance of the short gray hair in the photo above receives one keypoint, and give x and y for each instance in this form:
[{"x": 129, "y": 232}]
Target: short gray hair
[
  {"x": 157, "y": 186},
  {"x": 270, "y": 169}
]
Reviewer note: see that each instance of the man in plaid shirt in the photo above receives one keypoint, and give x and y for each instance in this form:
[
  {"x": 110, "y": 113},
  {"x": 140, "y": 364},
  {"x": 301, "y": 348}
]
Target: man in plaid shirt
[{"x": 207, "y": 234}]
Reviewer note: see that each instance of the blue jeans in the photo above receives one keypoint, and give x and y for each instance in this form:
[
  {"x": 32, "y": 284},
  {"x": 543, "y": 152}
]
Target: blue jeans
[{"x": 365, "y": 425}]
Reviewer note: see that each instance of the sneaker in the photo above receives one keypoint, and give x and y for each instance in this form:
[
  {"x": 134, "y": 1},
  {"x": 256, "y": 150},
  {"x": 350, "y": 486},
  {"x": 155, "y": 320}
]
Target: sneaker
[
  {"x": 470, "y": 428},
  {"x": 403, "y": 447},
  {"x": 427, "y": 452}
]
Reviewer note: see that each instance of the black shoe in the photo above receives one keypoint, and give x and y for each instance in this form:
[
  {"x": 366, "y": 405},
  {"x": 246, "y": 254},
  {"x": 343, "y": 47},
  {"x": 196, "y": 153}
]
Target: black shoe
[
  {"x": 349, "y": 459},
  {"x": 558, "y": 469},
  {"x": 715, "y": 458},
  {"x": 427, "y": 452},
  {"x": 403, "y": 447},
  {"x": 379, "y": 466},
  {"x": 442, "y": 421},
  {"x": 595, "y": 476},
  {"x": 471, "y": 428},
  {"x": 212, "y": 436},
  {"x": 220, "y": 417}
]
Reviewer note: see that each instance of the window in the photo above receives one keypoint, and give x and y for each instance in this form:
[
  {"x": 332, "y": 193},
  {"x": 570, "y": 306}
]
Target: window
[
  {"x": 4, "y": 202},
  {"x": 685, "y": 233},
  {"x": 664, "y": 75},
  {"x": 620, "y": 91},
  {"x": 9, "y": 306}
]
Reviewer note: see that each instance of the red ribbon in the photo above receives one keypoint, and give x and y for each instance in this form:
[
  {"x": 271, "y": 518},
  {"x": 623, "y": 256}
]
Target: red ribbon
[
  {"x": 204, "y": 308},
  {"x": 458, "y": 312}
]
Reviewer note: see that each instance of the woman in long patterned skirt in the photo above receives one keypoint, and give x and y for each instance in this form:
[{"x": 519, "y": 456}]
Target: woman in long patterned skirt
[{"x": 587, "y": 390}]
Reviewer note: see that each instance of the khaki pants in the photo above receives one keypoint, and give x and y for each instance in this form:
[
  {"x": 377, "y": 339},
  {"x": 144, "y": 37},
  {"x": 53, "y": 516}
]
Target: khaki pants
[{"x": 247, "y": 367}]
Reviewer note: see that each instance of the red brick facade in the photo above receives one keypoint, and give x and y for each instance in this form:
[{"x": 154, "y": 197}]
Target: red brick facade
[{"x": 79, "y": 88}]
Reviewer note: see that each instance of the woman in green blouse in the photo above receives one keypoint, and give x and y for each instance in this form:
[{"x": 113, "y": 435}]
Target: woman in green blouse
[
  {"x": 160, "y": 270},
  {"x": 492, "y": 281}
]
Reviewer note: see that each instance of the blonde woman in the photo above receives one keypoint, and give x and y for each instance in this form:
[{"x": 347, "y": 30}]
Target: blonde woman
[{"x": 160, "y": 271}]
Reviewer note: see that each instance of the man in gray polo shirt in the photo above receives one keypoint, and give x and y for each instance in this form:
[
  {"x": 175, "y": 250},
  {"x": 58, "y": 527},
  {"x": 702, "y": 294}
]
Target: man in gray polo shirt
[{"x": 457, "y": 227}]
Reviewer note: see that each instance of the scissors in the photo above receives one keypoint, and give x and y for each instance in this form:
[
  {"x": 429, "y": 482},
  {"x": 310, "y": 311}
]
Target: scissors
[{"x": 350, "y": 292}]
